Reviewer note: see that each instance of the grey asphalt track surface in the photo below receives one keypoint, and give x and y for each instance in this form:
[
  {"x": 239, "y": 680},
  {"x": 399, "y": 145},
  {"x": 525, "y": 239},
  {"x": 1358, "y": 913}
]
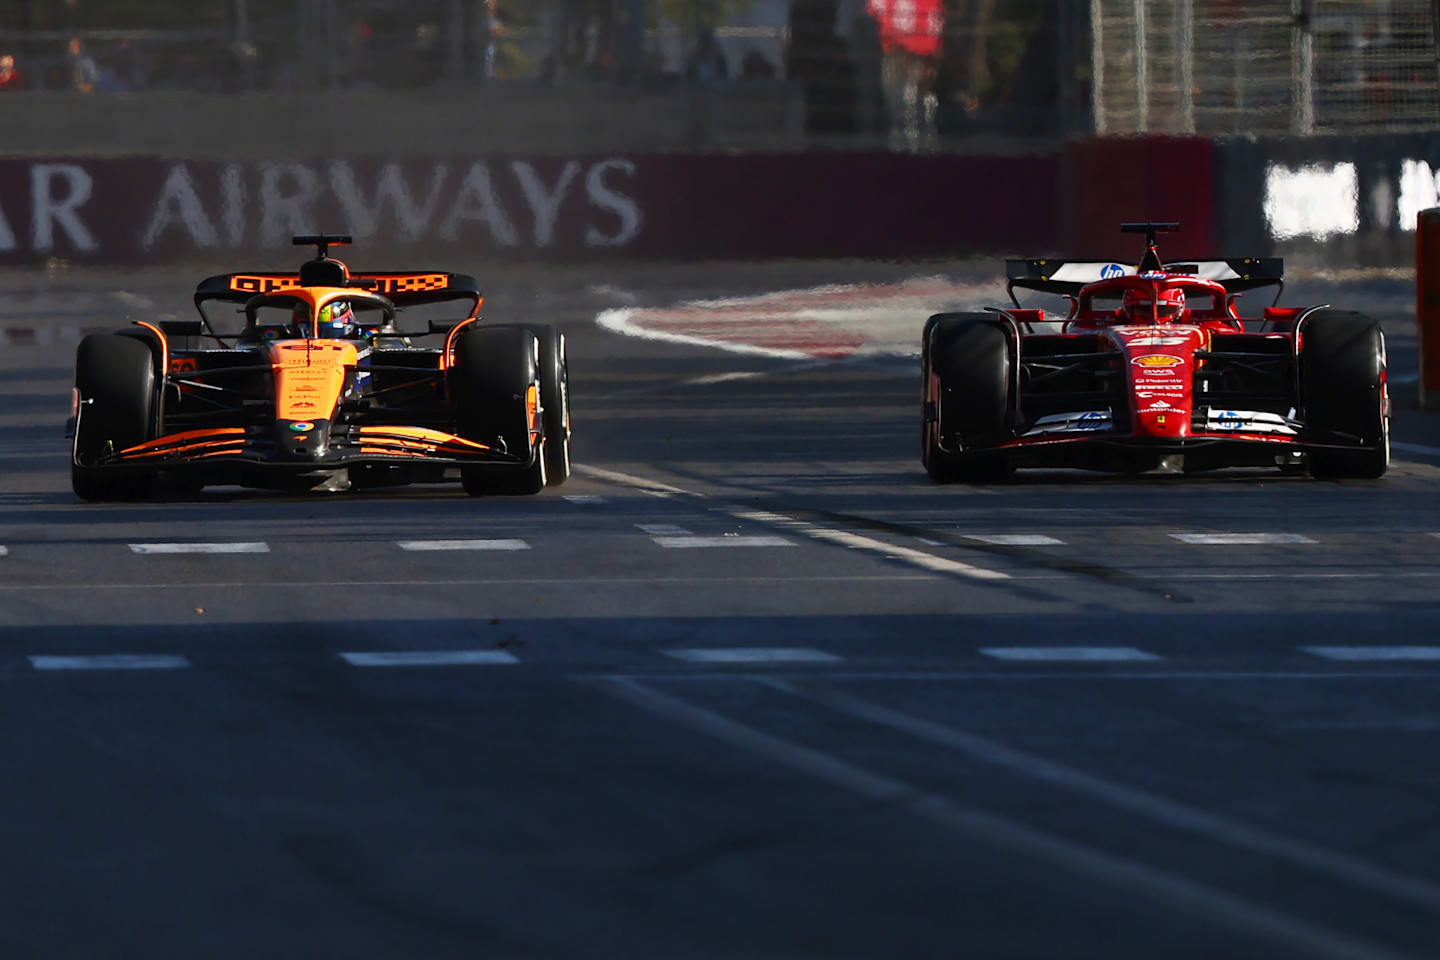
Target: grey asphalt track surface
[{"x": 748, "y": 686}]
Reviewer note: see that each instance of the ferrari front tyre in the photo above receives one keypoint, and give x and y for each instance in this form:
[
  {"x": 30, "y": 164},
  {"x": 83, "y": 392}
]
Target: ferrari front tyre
[
  {"x": 554, "y": 397},
  {"x": 1343, "y": 390},
  {"x": 115, "y": 380},
  {"x": 495, "y": 367},
  {"x": 966, "y": 370}
]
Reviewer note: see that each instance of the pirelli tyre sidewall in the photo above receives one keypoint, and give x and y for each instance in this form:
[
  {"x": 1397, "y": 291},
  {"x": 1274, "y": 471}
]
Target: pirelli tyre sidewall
[
  {"x": 554, "y": 397},
  {"x": 494, "y": 368},
  {"x": 119, "y": 400},
  {"x": 1342, "y": 387},
  {"x": 967, "y": 371}
]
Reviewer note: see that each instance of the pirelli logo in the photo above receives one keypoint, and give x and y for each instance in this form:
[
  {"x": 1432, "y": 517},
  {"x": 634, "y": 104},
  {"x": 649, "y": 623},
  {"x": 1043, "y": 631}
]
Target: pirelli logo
[
  {"x": 265, "y": 284},
  {"x": 412, "y": 283}
]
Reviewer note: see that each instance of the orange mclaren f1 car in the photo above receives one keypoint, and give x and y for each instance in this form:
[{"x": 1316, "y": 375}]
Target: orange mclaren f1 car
[{"x": 321, "y": 388}]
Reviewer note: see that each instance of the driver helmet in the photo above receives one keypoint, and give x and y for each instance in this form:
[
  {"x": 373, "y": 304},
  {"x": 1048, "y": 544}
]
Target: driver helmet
[
  {"x": 1165, "y": 306},
  {"x": 337, "y": 320}
]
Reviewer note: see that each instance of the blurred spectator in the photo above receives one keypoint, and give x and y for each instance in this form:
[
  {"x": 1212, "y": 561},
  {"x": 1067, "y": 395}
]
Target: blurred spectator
[
  {"x": 755, "y": 66},
  {"x": 84, "y": 74},
  {"x": 10, "y": 76},
  {"x": 707, "y": 66}
]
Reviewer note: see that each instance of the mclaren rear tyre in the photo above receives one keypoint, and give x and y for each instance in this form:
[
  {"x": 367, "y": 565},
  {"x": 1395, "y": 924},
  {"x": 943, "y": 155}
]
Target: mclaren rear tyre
[
  {"x": 115, "y": 379},
  {"x": 554, "y": 397},
  {"x": 495, "y": 367},
  {"x": 1343, "y": 389},
  {"x": 966, "y": 370}
]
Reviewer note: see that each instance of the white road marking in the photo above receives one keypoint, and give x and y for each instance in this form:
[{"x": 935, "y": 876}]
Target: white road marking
[
  {"x": 1241, "y": 539},
  {"x": 892, "y": 551},
  {"x": 620, "y": 321},
  {"x": 1015, "y": 539},
  {"x": 662, "y": 529},
  {"x": 753, "y": 655},
  {"x": 683, "y": 543},
  {"x": 630, "y": 480},
  {"x": 4, "y": 551},
  {"x": 1419, "y": 448},
  {"x": 930, "y": 543},
  {"x": 1133, "y": 800},
  {"x": 433, "y": 545},
  {"x": 151, "y": 549},
  {"x": 429, "y": 658},
  {"x": 111, "y": 661},
  {"x": 585, "y": 501},
  {"x": 1012, "y": 838},
  {"x": 1355, "y": 654},
  {"x": 1071, "y": 654},
  {"x": 714, "y": 378}
]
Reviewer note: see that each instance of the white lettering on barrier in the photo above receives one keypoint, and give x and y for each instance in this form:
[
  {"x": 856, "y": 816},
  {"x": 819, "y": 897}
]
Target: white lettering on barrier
[
  {"x": 477, "y": 203},
  {"x": 233, "y": 203},
  {"x": 283, "y": 215},
  {"x": 179, "y": 204},
  {"x": 544, "y": 204},
  {"x": 604, "y": 197},
  {"x": 7, "y": 235},
  {"x": 46, "y": 210},
  {"x": 362, "y": 213}
]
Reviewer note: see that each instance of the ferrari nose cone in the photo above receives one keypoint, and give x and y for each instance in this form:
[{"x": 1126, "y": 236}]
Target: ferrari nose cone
[{"x": 302, "y": 440}]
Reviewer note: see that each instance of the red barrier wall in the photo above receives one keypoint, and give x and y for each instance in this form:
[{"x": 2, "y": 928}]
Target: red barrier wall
[{"x": 871, "y": 205}]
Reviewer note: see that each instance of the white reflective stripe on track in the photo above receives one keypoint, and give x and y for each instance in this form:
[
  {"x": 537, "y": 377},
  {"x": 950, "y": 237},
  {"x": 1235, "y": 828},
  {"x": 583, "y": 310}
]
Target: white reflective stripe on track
[
  {"x": 662, "y": 529},
  {"x": 151, "y": 549},
  {"x": 1354, "y": 654},
  {"x": 1241, "y": 539},
  {"x": 585, "y": 501},
  {"x": 434, "y": 545},
  {"x": 1014, "y": 539},
  {"x": 429, "y": 658},
  {"x": 112, "y": 661},
  {"x": 919, "y": 558},
  {"x": 753, "y": 655},
  {"x": 1071, "y": 654},
  {"x": 4, "y": 551},
  {"x": 722, "y": 541}
]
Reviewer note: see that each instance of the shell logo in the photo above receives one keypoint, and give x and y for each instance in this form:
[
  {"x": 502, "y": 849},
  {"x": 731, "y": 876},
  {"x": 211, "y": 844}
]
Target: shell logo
[{"x": 1157, "y": 360}]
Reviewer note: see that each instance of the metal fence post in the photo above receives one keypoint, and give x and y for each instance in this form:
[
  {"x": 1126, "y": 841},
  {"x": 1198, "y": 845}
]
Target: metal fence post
[
  {"x": 1142, "y": 68},
  {"x": 1302, "y": 69},
  {"x": 1185, "y": 62},
  {"x": 1097, "y": 67}
]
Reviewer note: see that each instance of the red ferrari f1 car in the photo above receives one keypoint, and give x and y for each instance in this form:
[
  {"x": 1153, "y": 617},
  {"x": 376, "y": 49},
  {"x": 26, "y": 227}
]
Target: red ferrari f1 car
[
  {"x": 1153, "y": 361},
  {"x": 319, "y": 387}
]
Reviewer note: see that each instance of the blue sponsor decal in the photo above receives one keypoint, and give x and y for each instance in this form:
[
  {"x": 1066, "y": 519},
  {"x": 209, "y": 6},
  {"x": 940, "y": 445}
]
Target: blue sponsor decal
[
  {"x": 1154, "y": 275},
  {"x": 302, "y": 427},
  {"x": 1230, "y": 420},
  {"x": 1093, "y": 420},
  {"x": 1111, "y": 270}
]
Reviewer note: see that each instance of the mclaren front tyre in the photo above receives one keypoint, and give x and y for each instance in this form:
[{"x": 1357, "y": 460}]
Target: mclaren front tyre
[
  {"x": 495, "y": 389},
  {"x": 117, "y": 408}
]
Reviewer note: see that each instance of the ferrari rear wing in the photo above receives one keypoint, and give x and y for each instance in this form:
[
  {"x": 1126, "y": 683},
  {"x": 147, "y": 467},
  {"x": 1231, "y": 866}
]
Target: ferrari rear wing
[{"x": 1067, "y": 277}]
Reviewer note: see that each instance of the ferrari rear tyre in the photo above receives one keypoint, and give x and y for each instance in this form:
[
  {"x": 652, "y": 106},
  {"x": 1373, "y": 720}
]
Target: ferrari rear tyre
[
  {"x": 554, "y": 397},
  {"x": 1342, "y": 383},
  {"x": 115, "y": 378},
  {"x": 966, "y": 369},
  {"x": 495, "y": 367}
]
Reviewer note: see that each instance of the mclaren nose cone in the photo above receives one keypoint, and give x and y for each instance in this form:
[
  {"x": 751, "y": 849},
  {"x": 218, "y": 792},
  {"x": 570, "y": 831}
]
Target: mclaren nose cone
[{"x": 302, "y": 440}]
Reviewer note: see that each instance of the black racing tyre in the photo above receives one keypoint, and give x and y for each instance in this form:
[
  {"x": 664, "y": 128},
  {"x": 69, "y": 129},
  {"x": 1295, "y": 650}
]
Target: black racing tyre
[
  {"x": 966, "y": 374},
  {"x": 115, "y": 377},
  {"x": 494, "y": 368},
  {"x": 554, "y": 397},
  {"x": 1342, "y": 387}
]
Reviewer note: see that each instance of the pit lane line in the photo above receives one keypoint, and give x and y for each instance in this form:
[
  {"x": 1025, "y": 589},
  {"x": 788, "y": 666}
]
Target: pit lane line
[
  {"x": 1008, "y": 836},
  {"x": 1133, "y": 800}
]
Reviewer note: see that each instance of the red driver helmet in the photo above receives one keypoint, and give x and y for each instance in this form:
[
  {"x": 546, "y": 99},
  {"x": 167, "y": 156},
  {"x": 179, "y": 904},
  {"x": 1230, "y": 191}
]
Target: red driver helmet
[{"x": 1167, "y": 305}]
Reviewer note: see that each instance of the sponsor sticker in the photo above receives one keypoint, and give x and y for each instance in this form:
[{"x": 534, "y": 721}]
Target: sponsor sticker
[
  {"x": 303, "y": 426},
  {"x": 1093, "y": 420},
  {"x": 1111, "y": 270},
  {"x": 1159, "y": 405},
  {"x": 1158, "y": 341},
  {"x": 1147, "y": 394},
  {"x": 1157, "y": 360}
]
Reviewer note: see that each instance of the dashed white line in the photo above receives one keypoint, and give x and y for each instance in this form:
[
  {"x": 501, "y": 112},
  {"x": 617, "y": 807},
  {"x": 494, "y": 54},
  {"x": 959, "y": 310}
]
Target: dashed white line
[
  {"x": 1357, "y": 654},
  {"x": 446, "y": 545},
  {"x": 644, "y": 485},
  {"x": 753, "y": 655},
  {"x": 1071, "y": 654},
  {"x": 111, "y": 661},
  {"x": 662, "y": 529},
  {"x": 585, "y": 501},
  {"x": 1241, "y": 539},
  {"x": 152, "y": 549},
  {"x": 683, "y": 543},
  {"x": 1015, "y": 539},
  {"x": 429, "y": 658},
  {"x": 1419, "y": 448}
]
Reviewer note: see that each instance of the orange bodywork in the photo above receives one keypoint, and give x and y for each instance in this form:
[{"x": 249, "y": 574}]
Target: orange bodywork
[{"x": 309, "y": 375}]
